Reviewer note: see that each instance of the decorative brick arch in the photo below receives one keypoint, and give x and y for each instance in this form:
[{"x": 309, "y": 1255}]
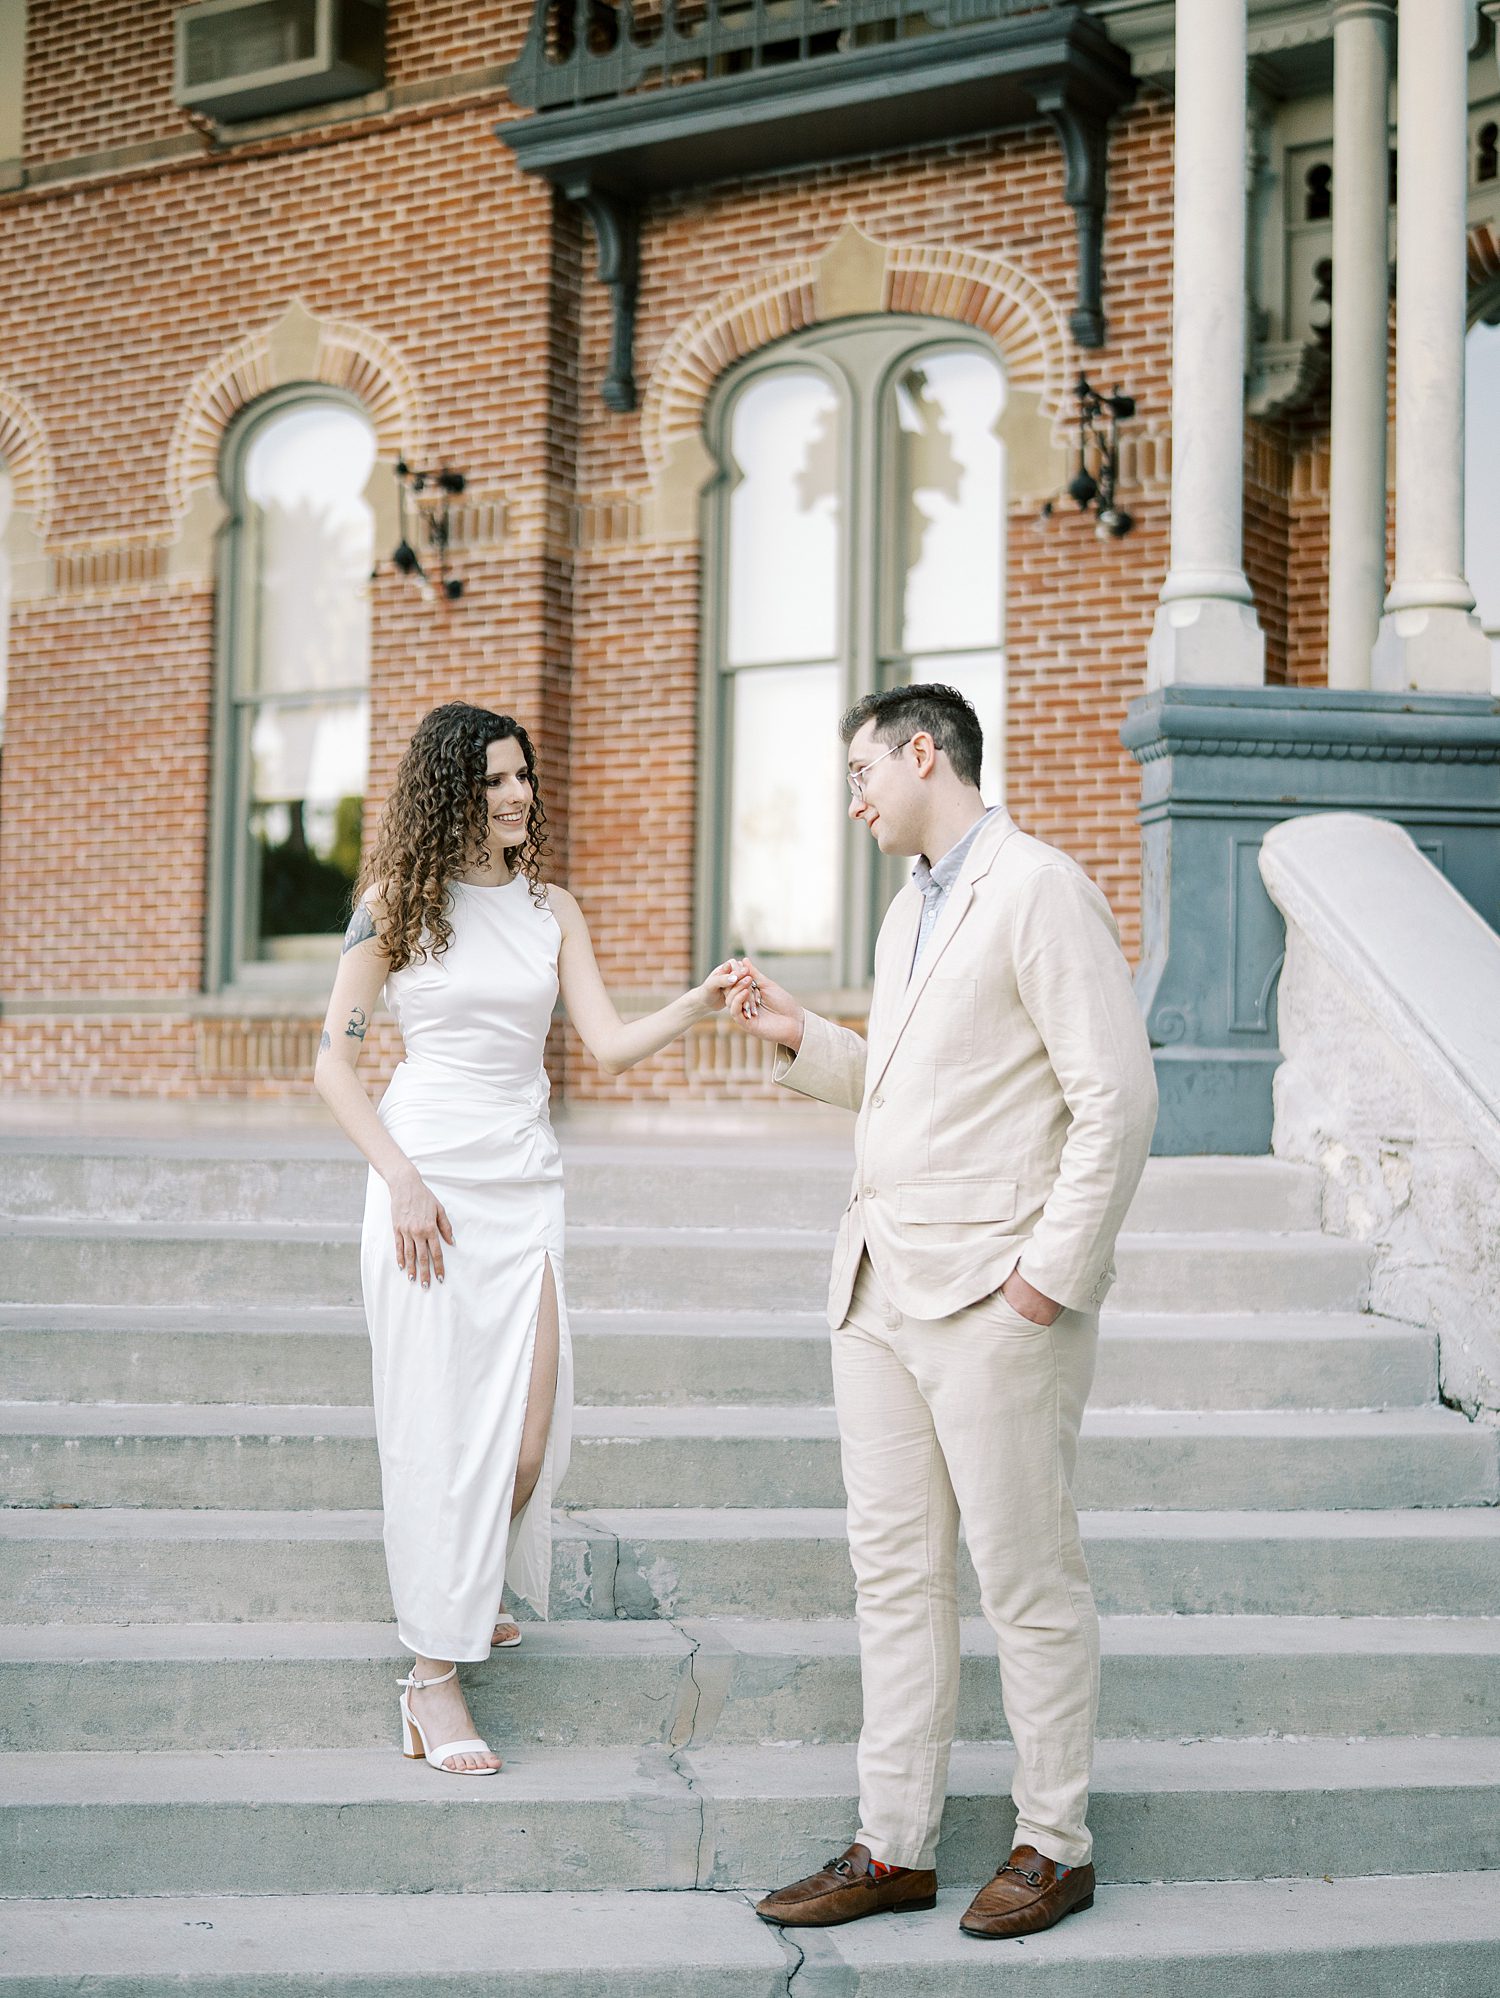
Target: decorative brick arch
[
  {"x": 28, "y": 462},
  {"x": 298, "y": 347},
  {"x": 856, "y": 273},
  {"x": 25, "y": 456}
]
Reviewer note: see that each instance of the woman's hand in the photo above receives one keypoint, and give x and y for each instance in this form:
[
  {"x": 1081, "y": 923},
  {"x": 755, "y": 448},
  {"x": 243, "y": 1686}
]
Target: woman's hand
[
  {"x": 712, "y": 996},
  {"x": 420, "y": 1227},
  {"x": 764, "y": 1008}
]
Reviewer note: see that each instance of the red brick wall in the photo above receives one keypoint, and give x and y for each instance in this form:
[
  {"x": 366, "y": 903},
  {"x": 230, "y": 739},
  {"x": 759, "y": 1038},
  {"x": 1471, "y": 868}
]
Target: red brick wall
[{"x": 416, "y": 225}]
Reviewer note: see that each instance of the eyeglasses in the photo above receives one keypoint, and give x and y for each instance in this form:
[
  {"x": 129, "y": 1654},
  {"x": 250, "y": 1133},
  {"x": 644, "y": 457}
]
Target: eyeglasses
[{"x": 857, "y": 777}]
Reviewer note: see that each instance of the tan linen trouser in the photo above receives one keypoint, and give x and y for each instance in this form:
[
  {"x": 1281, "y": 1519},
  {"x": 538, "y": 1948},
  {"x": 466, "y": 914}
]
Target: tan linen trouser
[{"x": 975, "y": 1414}]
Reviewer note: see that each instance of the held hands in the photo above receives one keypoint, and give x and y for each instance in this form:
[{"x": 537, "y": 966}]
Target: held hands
[
  {"x": 420, "y": 1227},
  {"x": 764, "y": 1008},
  {"x": 712, "y": 996}
]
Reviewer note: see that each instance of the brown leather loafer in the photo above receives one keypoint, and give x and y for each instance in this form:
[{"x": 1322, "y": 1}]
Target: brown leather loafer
[
  {"x": 845, "y": 1891},
  {"x": 1026, "y": 1895}
]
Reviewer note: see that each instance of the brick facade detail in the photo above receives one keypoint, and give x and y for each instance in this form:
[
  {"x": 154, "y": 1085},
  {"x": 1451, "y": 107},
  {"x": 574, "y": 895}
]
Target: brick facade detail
[{"x": 455, "y": 295}]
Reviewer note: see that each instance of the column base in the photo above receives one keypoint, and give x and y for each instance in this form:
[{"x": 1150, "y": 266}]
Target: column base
[
  {"x": 1433, "y": 650},
  {"x": 1206, "y": 642},
  {"x": 1214, "y": 1100}
]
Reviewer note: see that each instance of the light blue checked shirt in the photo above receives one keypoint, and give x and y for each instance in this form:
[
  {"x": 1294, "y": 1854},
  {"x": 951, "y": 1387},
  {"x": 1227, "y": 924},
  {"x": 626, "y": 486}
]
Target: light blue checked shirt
[{"x": 937, "y": 879}]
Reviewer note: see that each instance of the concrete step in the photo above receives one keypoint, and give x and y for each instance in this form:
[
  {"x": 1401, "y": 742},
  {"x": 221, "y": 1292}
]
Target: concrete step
[
  {"x": 721, "y": 1184},
  {"x": 705, "y": 1186},
  {"x": 311, "y": 1822},
  {"x": 58, "y": 1454},
  {"x": 1413, "y": 1937},
  {"x": 156, "y": 1687},
  {"x": 631, "y": 1269},
  {"x": 320, "y": 1357},
  {"x": 97, "y": 1565}
]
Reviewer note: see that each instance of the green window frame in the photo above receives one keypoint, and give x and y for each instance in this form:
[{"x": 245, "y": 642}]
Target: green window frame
[
  {"x": 233, "y": 926},
  {"x": 863, "y": 361}
]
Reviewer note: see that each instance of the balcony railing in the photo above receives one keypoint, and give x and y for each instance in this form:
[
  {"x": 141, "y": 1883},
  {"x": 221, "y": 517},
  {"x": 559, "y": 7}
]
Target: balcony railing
[
  {"x": 580, "y": 51},
  {"x": 638, "y": 97}
]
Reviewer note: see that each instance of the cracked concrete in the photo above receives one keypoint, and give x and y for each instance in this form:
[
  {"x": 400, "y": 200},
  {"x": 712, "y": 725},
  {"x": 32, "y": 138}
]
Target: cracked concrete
[{"x": 682, "y": 1735}]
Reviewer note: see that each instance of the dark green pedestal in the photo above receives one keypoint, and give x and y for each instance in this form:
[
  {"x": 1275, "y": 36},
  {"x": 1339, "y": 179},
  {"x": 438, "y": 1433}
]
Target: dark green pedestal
[{"x": 1219, "y": 767}]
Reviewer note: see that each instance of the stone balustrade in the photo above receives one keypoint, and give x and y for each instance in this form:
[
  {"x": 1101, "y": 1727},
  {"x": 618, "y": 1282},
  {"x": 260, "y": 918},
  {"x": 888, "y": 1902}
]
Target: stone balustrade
[{"x": 1390, "y": 1025}]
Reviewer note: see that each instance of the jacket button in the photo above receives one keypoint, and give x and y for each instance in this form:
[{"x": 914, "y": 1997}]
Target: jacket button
[
  {"x": 869, "y": 1193},
  {"x": 876, "y": 1102}
]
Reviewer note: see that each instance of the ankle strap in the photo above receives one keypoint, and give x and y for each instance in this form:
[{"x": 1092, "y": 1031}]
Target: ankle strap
[{"x": 420, "y": 1685}]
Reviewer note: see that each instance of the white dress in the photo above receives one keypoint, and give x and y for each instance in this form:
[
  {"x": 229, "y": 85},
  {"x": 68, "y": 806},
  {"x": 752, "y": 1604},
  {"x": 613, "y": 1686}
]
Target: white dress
[{"x": 452, "y": 1363}]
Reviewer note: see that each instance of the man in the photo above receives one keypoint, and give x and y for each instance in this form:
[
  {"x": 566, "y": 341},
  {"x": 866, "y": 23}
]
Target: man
[{"x": 1006, "y": 1101}]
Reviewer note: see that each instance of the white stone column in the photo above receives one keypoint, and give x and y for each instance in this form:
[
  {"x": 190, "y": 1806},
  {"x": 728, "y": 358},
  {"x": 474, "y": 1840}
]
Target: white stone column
[
  {"x": 1429, "y": 638},
  {"x": 1206, "y": 630},
  {"x": 1361, "y": 315}
]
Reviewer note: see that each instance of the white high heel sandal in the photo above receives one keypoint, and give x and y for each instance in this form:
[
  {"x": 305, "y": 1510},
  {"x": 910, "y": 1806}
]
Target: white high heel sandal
[{"x": 414, "y": 1741}]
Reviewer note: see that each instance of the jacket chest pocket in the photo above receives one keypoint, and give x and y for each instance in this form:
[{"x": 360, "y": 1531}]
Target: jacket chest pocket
[{"x": 941, "y": 1027}]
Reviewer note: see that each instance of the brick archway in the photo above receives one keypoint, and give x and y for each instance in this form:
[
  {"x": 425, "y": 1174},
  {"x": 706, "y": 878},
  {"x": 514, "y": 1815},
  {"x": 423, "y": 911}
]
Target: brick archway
[
  {"x": 855, "y": 273},
  {"x": 297, "y": 347},
  {"x": 27, "y": 459}
]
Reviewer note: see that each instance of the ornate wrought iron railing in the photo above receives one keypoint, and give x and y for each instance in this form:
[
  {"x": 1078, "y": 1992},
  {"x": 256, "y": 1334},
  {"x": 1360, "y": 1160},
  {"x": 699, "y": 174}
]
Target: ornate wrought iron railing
[{"x": 579, "y": 51}]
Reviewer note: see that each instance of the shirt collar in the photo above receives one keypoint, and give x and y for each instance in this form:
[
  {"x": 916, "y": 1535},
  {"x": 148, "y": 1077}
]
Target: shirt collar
[{"x": 943, "y": 873}]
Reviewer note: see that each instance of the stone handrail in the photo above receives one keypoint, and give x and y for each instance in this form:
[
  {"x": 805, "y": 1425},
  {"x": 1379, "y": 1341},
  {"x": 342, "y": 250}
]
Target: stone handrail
[{"x": 1390, "y": 1025}]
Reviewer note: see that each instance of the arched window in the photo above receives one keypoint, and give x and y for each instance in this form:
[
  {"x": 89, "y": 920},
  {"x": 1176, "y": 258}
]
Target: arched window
[
  {"x": 1482, "y": 472},
  {"x": 856, "y": 541},
  {"x": 6, "y": 504},
  {"x": 294, "y": 709}
]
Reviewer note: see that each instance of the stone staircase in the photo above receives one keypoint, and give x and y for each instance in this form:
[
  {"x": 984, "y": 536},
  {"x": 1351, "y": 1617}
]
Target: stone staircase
[{"x": 1296, "y": 1552}]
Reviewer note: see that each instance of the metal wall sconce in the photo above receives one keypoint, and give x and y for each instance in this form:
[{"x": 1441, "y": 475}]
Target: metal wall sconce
[
  {"x": 1099, "y": 445},
  {"x": 432, "y": 495}
]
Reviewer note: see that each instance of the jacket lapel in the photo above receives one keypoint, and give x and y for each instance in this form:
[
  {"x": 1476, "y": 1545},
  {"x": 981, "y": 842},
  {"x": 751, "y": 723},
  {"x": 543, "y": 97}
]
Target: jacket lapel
[{"x": 894, "y": 1017}]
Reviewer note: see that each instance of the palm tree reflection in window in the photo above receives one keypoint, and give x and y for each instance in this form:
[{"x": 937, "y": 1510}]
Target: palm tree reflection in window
[{"x": 943, "y": 593}]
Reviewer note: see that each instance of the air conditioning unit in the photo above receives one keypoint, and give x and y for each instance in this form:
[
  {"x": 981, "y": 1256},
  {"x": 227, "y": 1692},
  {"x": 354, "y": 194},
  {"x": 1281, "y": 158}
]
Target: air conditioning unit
[{"x": 252, "y": 58}]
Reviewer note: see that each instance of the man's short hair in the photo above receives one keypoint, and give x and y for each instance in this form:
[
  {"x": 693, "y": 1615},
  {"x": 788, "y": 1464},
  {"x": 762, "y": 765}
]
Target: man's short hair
[{"x": 941, "y": 712}]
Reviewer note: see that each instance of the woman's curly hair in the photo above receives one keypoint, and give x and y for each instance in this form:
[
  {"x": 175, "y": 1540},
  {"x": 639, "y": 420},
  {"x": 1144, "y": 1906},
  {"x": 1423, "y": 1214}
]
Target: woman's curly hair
[{"x": 436, "y": 826}]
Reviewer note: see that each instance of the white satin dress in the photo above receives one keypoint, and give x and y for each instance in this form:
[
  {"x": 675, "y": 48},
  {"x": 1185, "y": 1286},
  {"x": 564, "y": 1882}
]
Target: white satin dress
[{"x": 452, "y": 1363}]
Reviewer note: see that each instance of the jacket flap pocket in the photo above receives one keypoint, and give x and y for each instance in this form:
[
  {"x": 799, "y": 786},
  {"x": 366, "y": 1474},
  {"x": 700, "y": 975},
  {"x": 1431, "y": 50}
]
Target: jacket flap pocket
[{"x": 957, "y": 1200}]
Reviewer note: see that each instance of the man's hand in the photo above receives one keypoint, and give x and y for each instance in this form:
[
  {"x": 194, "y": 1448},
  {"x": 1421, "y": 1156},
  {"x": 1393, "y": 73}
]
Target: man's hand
[
  {"x": 1028, "y": 1300},
  {"x": 765, "y": 1009}
]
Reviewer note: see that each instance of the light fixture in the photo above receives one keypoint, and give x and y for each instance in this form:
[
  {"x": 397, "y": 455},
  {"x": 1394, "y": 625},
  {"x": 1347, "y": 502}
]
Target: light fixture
[
  {"x": 431, "y": 498},
  {"x": 1096, "y": 480}
]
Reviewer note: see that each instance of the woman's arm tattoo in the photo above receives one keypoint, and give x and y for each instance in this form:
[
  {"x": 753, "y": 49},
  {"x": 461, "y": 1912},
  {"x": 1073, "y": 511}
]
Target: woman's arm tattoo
[
  {"x": 361, "y": 927},
  {"x": 326, "y": 1042},
  {"x": 357, "y": 1024}
]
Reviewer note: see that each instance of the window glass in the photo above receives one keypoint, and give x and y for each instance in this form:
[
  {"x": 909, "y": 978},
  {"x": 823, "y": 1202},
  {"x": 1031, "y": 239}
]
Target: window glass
[
  {"x": 300, "y": 677},
  {"x": 1482, "y": 474},
  {"x": 861, "y": 522},
  {"x": 785, "y": 806},
  {"x": 946, "y": 520},
  {"x": 313, "y": 534},
  {"x": 6, "y": 500},
  {"x": 784, "y": 521}
]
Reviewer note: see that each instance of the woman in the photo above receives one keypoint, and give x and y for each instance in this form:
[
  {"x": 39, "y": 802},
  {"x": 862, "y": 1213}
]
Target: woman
[{"x": 462, "y": 1250}]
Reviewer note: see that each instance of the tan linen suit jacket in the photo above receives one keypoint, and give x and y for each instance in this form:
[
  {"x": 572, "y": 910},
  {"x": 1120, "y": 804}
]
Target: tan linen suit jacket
[{"x": 1006, "y": 1094}]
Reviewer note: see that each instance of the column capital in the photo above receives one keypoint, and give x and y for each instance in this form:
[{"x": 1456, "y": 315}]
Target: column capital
[{"x": 1353, "y": 10}]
